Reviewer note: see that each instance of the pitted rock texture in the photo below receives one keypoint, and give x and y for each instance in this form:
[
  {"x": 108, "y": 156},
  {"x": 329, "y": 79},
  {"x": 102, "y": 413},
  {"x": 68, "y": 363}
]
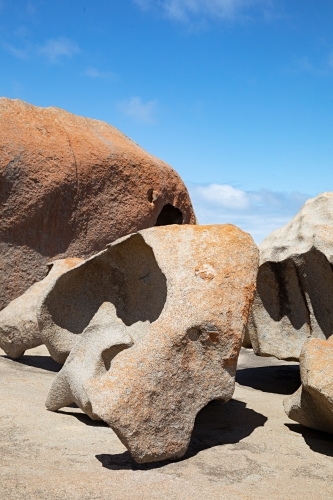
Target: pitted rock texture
[
  {"x": 293, "y": 301},
  {"x": 181, "y": 297},
  {"x": 18, "y": 321},
  {"x": 312, "y": 404},
  {"x": 69, "y": 186}
]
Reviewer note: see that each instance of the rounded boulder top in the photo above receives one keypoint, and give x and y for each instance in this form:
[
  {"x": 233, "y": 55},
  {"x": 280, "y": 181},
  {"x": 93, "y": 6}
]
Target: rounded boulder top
[{"x": 70, "y": 185}]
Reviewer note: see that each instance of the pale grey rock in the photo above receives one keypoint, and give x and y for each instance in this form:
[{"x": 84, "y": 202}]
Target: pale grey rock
[
  {"x": 18, "y": 321},
  {"x": 312, "y": 404},
  {"x": 294, "y": 294},
  {"x": 125, "y": 275},
  {"x": 154, "y": 324},
  {"x": 91, "y": 357}
]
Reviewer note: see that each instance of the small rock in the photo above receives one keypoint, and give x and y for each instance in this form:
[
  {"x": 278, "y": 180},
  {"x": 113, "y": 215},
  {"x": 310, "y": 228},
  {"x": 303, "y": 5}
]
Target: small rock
[
  {"x": 19, "y": 329},
  {"x": 312, "y": 404}
]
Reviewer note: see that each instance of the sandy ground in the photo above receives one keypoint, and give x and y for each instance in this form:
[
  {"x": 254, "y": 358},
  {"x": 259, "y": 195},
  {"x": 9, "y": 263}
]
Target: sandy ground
[{"x": 245, "y": 449}]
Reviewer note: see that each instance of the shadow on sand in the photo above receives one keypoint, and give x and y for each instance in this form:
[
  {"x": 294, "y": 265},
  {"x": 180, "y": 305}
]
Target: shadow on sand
[
  {"x": 283, "y": 379},
  {"x": 216, "y": 424},
  {"x": 82, "y": 417},
  {"x": 43, "y": 362},
  {"x": 318, "y": 441}
]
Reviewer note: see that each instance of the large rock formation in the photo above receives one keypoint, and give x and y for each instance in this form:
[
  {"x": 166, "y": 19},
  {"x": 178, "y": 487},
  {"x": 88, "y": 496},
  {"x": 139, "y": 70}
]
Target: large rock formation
[
  {"x": 312, "y": 404},
  {"x": 70, "y": 185},
  {"x": 18, "y": 321},
  {"x": 295, "y": 283},
  {"x": 163, "y": 314}
]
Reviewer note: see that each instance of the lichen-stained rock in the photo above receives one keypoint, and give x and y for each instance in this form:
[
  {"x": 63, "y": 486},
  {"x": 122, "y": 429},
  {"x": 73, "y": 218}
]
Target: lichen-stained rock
[
  {"x": 312, "y": 404},
  {"x": 294, "y": 294},
  {"x": 69, "y": 186},
  {"x": 184, "y": 294},
  {"x": 18, "y": 321}
]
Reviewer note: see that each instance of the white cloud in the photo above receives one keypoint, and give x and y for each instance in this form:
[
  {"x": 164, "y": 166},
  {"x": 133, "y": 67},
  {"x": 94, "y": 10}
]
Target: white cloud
[
  {"x": 140, "y": 111},
  {"x": 59, "y": 47},
  {"x": 222, "y": 9},
  {"x": 256, "y": 212},
  {"x": 95, "y": 73},
  {"x": 224, "y": 195}
]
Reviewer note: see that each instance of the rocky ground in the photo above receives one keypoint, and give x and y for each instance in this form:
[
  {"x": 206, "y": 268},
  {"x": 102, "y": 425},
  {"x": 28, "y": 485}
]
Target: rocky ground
[{"x": 245, "y": 449}]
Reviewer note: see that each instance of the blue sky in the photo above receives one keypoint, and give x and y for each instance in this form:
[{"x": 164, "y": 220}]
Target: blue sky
[{"x": 237, "y": 95}]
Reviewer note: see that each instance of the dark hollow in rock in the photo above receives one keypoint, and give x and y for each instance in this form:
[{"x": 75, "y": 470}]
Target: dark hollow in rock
[{"x": 169, "y": 215}]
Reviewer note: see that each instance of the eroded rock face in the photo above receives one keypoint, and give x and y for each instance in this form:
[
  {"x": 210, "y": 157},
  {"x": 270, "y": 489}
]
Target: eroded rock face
[
  {"x": 18, "y": 321},
  {"x": 294, "y": 294},
  {"x": 92, "y": 354},
  {"x": 178, "y": 299},
  {"x": 312, "y": 404},
  {"x": 69, "y": 186}
]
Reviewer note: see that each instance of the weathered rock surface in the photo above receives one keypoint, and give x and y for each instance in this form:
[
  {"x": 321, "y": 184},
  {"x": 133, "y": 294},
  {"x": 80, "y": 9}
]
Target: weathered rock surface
[
  {"x": 294, "y": 294},
  {"x": 70, "y": 185},
  {"x": 181, "y": 297},
  {"x": 91, "y": 357},
  {"x": 18, "y": 321},
  {"x": 312, "y": 404}
]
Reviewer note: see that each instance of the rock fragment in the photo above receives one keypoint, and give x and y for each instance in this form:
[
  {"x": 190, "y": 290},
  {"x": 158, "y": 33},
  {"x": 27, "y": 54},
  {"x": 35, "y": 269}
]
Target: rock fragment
[
  {"x": 293, "y": 301},
  {"x": 312, "y": 404},
  {"x": 178, "y": 299},
  {"x": 18, "y": 321},
  {"x": 69, "y": 186}
]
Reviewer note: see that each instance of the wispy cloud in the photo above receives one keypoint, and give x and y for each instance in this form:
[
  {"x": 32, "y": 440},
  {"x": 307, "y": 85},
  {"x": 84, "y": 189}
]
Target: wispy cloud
[
  {"x": 19, "y": 53},
  {"x": 141, "y": 111},
  {"x": 323, "y": 67},
  {"x": 56, "y": 48},
  {"x": 184, "y": 10},
  {"x": 95, "y": 73},
  {"x": 256, "y": 212},
  {"x": 53, "y": 50}
]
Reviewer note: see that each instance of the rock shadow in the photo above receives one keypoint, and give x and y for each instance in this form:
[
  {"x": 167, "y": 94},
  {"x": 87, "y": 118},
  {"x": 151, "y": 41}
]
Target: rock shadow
[
  {"x": 43, "y": 362},
  {"x": 126, "y": 275},
  {"x": 283, "y": 379},
  {"x": 216, "y": 424},
  {"x": 83, "y": 418},
  {"x": 318, "y": 441},
  {"x": 286, "y": 287}
]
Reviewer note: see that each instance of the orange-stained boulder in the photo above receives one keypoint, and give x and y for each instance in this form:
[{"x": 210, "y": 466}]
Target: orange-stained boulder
[
  {"x": 153, "y": 327},
  {"x": 68, "y": 186}
]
